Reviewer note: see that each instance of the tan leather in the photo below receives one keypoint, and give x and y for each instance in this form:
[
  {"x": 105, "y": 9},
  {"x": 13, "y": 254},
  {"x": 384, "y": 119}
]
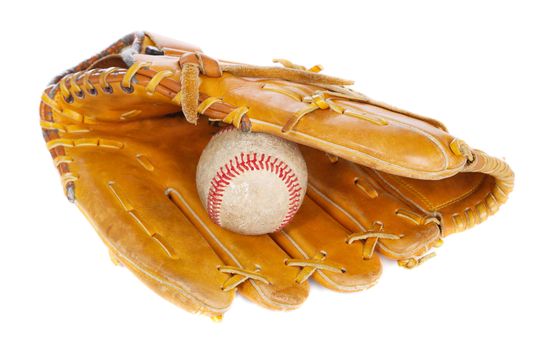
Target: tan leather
[{"x": 379, "y": 177}]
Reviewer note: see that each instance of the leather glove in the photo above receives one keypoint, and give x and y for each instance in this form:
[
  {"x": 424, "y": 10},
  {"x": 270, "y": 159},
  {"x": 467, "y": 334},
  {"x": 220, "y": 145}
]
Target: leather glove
[{"x": 126, "y": 129}]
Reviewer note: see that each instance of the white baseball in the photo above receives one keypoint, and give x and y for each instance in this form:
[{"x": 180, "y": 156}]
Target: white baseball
[{"x": 251, "y": 183}]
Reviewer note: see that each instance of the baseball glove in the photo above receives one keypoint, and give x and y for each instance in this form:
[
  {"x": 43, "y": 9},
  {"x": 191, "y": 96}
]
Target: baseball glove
[{"x": 126, "y": 129}]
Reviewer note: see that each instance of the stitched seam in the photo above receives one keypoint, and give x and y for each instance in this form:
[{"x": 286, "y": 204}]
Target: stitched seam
[
  {"x": 434, "y": 207},
  {"x": 410, "y": 188},
  {"x": 318, "y": 101},
  {"x": 338, "y": 149},
  {"x": 416, "y": 129},
  {"x": 462, "y": 196},
  {"x": 387, "y": 186},
  {"x": 244, "y": 163}
]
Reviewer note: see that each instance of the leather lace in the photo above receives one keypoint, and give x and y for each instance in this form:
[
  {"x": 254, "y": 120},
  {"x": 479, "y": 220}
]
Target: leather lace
[
  {"x": 240, "y": 275},
  {"x": 370, "y": 238},
  {"x": 309, "y": 266},
  {"x": 194, "y": 65}
]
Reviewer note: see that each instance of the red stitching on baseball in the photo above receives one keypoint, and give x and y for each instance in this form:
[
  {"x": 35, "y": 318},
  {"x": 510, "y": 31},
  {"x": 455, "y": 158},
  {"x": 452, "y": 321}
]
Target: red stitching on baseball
[{"x": 252, "y": 162}]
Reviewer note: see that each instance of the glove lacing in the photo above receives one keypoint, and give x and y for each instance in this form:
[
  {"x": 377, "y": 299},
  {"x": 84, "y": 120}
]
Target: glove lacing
[{"x": 193, "y": 65}]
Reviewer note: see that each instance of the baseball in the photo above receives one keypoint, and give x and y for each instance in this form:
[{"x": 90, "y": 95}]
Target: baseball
[{"x": 251, "y": 183}]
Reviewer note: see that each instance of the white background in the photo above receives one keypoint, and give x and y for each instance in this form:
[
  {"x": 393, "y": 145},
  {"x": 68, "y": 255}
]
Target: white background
[{"x": 469, "y": 64}]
